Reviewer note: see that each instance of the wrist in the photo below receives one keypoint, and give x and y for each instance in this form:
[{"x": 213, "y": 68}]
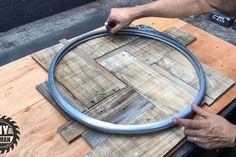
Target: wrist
[{"x": 136, "y": 12}]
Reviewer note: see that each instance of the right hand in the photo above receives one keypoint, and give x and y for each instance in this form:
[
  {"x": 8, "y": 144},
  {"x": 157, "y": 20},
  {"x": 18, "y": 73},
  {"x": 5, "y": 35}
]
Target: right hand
[
  {"x": 209, "y": 131},
  {"x": 120, "y": 18}
]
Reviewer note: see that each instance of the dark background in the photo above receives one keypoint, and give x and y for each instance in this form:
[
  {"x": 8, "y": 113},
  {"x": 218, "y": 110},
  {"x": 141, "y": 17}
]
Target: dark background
[{"x": 18, "y": 12}]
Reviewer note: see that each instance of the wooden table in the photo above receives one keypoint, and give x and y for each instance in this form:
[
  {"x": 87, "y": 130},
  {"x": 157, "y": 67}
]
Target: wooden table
[{"x": 38, "y": 120}]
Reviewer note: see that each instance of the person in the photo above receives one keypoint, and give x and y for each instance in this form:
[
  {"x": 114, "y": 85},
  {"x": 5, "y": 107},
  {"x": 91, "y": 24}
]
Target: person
[{"x": 208, "y": 130}]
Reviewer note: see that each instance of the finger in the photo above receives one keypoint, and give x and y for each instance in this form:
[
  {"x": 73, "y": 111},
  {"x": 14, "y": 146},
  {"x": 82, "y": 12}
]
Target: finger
[
  {"x": 109, "y": 25},
  {"x": 193, "y": 132},
  {"x": 189, "y": 123},
  {"x": 110, "y": 20},
  {"x": 201, "y": 111},
  {"x": 115, "y": 29},
  {"x": 195, "y": 139}
]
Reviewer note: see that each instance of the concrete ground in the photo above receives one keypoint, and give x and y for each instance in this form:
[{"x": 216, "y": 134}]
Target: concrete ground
[
  {"x": 203, "y": 22},
  {"x": 29, "y": 38}
]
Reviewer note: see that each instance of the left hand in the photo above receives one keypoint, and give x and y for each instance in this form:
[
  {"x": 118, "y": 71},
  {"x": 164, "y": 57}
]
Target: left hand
[{"x": 209, "y": 131}]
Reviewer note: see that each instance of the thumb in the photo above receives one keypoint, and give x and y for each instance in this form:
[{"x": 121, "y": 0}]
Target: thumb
[{"x": 201, "y": 111}]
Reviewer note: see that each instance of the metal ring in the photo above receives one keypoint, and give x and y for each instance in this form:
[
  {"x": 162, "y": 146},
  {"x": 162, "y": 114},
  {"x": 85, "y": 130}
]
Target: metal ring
[{"x": 118, "y": 128}]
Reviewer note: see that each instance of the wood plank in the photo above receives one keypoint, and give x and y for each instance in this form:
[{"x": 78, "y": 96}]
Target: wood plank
[
  {"x": 71, "y": 130},
  {"x": 50, "y": 52},
  {"x": 97, "y": 86},
  {"x": 217, "y": 83},
  {"x": 122, "y": 107},
  {"x": 44, "y": 90},
  {"x": 167, "y": 96},
  {"x": 86, "y": 84},
  {"x": 160, "y": 24},
  {"x": 181, "y": 36},
  {"x": 155, "y": 144},
  {"x": 152, "y": 52},
  {"x": 103, "y": 109},
  {"x": 90, "y": 61},
  {"x": 17, "y": 85},
  {"x": 113, "y": 104},
  {"x": 176, "y": 80},
  {"x": 209, "y": 49},
  {"x": 219, "y": 55},
  {"x": 125, "y": 115},
  {"x": 103, "y": 45},
  {"x": 99, "y": 111},
  {"x": 38, "y": 127}
]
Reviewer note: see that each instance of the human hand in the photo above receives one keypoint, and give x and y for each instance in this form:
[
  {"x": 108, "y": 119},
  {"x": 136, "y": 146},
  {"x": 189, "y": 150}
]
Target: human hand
[
  {"x": 209, "y": 131},
  {"x": 121, "y": 17}
]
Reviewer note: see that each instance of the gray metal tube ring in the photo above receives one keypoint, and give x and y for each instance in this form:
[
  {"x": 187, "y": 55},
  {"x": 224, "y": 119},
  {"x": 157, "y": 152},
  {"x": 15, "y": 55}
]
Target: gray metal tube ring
[{"x": 107, "y": 127}]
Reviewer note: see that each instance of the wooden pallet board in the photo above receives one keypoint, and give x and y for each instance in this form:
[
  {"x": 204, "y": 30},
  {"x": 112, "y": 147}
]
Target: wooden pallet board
[
  {"x": 155, "y": 144},
  {"x": 168, "y": 59},
  {"x": 93, "y": 85},
  {"x": 137, "y": 63},
  {"x": 150, "y": 84},
  {"x": 103, "y": 141},
  {"x": 122, "y": 107}
]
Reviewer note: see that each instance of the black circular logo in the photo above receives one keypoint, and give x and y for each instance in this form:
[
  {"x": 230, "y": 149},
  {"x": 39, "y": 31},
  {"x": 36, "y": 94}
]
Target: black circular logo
[{"x": 9, "y": 134}]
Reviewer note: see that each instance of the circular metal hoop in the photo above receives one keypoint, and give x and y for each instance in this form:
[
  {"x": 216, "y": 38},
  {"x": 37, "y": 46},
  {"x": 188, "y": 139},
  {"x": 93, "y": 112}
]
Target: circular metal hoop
[{"x": 118, "y": 128}]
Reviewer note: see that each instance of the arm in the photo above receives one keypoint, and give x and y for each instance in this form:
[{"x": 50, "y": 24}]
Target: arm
[
  {"x": 172, "y": 9},
  {"x": 122, "y": 17},
  {"x": 209, "y": 130}
]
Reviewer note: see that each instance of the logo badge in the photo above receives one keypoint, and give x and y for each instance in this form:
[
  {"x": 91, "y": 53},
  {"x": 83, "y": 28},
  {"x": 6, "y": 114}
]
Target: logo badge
[{"x": 9, "y": 134}]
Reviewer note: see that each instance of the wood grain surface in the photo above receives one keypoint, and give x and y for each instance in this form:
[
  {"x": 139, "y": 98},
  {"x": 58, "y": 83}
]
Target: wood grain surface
[{"x": 38, "y": 121}]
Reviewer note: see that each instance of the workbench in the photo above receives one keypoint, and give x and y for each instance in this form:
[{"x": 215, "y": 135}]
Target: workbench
[{"x": 38, "y": 120}]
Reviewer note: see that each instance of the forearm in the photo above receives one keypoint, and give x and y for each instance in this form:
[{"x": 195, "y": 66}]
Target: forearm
[{"x": 171, "y": 8}]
